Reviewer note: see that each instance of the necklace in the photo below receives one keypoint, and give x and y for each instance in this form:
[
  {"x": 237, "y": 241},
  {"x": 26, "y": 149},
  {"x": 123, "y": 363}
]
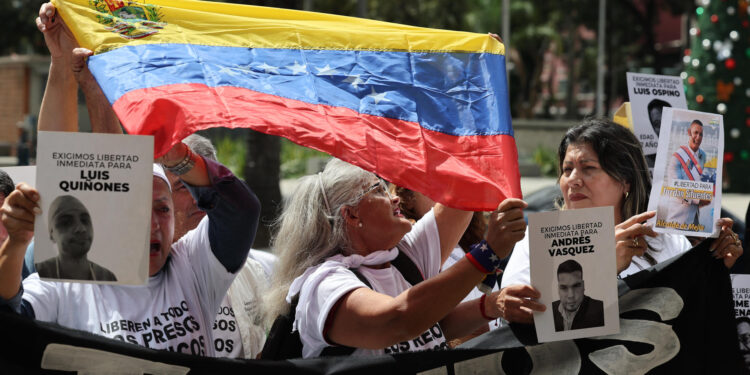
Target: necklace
[{"x": 57, "y": 268}]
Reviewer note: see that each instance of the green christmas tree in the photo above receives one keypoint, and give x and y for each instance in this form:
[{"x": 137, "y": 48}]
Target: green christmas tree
[{"x": 717, "y": 75}]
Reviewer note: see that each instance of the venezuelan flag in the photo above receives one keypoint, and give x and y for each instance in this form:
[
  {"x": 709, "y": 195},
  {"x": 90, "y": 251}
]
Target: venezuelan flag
[{"x": 424, "y": 108}]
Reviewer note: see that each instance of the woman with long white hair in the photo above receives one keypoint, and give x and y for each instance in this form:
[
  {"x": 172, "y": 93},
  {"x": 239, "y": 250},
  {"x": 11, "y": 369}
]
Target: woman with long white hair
[{"x": 342, "y": 221}]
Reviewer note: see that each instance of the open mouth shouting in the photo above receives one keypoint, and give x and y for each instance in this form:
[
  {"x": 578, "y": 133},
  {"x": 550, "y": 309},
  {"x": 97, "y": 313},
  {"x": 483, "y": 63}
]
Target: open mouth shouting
[{"x": 155, "y": 248}]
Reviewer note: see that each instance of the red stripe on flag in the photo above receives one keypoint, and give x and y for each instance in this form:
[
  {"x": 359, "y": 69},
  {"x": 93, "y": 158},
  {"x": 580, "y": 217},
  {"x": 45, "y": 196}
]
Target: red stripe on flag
[{"x": 467, "y": 172}]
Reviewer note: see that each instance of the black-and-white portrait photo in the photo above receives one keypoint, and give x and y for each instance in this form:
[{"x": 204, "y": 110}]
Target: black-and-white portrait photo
[
  {"x": 71, "y": 229},
  {"x": 574, "y": 309}
]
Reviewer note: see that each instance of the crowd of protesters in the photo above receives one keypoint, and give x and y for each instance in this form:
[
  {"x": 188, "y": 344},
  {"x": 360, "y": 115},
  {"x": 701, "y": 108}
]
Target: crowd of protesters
[{"x": 338, "y": 239}]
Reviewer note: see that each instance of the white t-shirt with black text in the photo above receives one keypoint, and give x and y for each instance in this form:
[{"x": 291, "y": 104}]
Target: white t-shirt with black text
[
  {"x": 422, "y": 245},
  {"x": 174, "y": 311}
]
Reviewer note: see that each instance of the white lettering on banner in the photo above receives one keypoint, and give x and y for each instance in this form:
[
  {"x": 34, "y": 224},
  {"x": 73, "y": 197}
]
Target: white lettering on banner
[
  {"x": 563, "y": 357},
  {"x": 617, "y": 359}
]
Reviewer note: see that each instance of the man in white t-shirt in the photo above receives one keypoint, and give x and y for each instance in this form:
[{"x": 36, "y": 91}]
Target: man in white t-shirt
[
  {"x": 188, "y": 279},
  {"x": 237, "y": 329}
]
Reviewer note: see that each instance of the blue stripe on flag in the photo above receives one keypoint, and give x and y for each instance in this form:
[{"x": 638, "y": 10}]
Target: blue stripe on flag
[{"x": 452, "y": 93}]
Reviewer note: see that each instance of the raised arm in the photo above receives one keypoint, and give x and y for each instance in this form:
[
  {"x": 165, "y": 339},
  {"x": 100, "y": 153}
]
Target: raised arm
[
  {"x": 232, "y": 208},
  {"x": 368, "y": 319},
  {"x": 59, "y": 110},
  {"x": 452, "y": 224},
  {"x": 103, "y": 118}
]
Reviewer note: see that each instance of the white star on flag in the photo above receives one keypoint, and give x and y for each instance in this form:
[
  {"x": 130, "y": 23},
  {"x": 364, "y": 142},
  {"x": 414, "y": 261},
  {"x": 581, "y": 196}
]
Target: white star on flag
[
  {"x": 237, "y": 70},
  {"x": 269, "y": 69},
  {"x": 354, "y": 80},
  {"x": 228, "y": 70},
  {"x": 494, "y": 258},
  {"x": 326, "y": 71},
  {"x": 378, "y": 97},
  {"x": 297, "y": 68},
  {"x": 484, "y": 247}
]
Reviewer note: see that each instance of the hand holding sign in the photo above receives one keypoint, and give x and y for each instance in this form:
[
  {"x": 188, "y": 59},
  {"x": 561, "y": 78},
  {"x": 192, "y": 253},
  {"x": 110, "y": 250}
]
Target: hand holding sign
[
  {"x": 506, "y": 226},
  {"x": 515, "y": 303},
  {"x": 18, "y": 213},
  {"x": 629, "y": 239},
  {"x": 727, "y": 246}
]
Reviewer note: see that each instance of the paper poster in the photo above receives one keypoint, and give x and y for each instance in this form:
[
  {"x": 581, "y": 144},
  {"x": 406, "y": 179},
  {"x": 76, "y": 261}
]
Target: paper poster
[
  {"x": 25, "y": 174},
  {"x": 96, "y": 207},
  {"x": 741, "y": 295},
  {"x": 686, "y": 189},
  {"x": 648, "y": 95},
  {"x": 572, "y": 255}
]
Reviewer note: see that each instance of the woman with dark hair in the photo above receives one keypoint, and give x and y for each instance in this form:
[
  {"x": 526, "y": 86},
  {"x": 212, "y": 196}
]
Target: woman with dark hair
[
  {"x": 342, "y": 227},
  {"x": 602, "y": 164}
]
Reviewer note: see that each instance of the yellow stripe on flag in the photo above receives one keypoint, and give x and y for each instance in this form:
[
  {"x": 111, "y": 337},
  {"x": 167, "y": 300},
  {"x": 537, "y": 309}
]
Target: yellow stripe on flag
[{"x": 232, "y": 25}]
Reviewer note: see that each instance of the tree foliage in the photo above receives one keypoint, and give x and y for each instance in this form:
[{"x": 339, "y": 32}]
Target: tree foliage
[{"x": 18, "y": 33}]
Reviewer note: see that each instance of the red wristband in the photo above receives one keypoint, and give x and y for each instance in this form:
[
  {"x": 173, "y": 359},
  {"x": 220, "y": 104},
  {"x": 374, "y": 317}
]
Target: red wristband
[{"x": 481, "y": 307}]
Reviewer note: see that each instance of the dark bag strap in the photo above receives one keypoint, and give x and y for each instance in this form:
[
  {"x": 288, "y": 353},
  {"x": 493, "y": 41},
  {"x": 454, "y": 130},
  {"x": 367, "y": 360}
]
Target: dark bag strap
[
  {"x": 282, "y": 342},
  {"x": 407, "y": 268}
]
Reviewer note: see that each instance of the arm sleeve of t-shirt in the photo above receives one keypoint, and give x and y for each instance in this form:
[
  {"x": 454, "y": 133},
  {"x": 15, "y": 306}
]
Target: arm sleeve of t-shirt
[
  {"x": 311, "y": 314},
  {"x": 233, "y": 211},
  {"x": 422, "y": 245},
  {"x": 42, "y": 297},
  {"x": 517, "y": 271}
]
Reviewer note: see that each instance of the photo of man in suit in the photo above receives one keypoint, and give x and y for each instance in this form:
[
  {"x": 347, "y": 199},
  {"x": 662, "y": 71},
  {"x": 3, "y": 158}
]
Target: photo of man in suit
[{"x": 574, "y": 309}]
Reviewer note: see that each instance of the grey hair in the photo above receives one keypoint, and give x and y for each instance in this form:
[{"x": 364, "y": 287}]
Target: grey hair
[
  {"x": 201, "y": 146},
  {"x": 305, "y": 232}
]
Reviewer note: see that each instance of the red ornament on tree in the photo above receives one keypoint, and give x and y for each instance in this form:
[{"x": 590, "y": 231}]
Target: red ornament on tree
[
  {"x": 728, "y": 157},
  {"x": 746, "y": 24},
  {"x": 699, "y": 99},
  {"x": 687, "y": 51},
  {"x": 714, "y": 18},
  {"x": 747, "y": 123},
  {"x": 730, "y": 63},
  {"x": 691, "y": 80}
]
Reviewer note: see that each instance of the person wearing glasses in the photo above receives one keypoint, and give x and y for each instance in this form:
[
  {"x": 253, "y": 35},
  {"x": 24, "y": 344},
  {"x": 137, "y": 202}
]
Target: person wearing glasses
[{"x": 344, "y": 219}]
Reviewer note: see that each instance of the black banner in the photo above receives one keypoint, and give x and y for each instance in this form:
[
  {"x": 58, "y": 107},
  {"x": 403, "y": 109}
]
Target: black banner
[{"x": 674, "y": 318}]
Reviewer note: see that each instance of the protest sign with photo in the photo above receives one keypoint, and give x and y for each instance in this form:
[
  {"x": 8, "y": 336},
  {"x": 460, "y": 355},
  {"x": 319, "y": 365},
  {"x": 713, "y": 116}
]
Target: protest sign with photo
[
  {"x": 686, "y": 190},
  {"x": 96, "y": 207},
  {"x": 573, "y": 266},
  {"x": 25, "y": 174},
  {"x": 741, "y": 295},
  {"x": 648, "y": 95}
]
